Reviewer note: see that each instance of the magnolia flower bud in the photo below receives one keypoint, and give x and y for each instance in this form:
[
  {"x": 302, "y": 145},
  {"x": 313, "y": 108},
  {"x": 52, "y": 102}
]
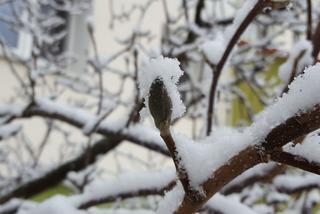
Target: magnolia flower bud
[{"x": 160, "y": 105}]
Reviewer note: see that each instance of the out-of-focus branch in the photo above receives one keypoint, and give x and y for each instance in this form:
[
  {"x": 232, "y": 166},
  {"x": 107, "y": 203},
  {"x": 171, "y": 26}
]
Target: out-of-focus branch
[
  {"x": 145, "y": 191},
  {"x": 56, "y": 175},
  {"x": 309, "y": 19},
  {"x": 217, "y": 69},
  {"x": 316, "y": 42},
  {"x": 294, "y": 70}
]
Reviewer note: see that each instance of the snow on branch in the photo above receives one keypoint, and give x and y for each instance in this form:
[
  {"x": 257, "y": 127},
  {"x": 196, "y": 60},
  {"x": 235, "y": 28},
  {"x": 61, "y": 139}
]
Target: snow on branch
[
  {"x": 139, "y": 134},
  {"x": 134, "y": 184},
  {"x": 198, "y": 163},
  {"x": 124, "y": 186},
  {"x": 202, "y": 158},
  {"x": 9, "y": 130},
  {"x": 227, "y": 205},
  {"x": 302, "y": 97},
  {"x": 225, "y": 143},
  {"x": 172, "y": 200},
  {"x": 296, "y": 183},
  {"x": 56, "y": 175},
  {"x": 308, "y": 149}
]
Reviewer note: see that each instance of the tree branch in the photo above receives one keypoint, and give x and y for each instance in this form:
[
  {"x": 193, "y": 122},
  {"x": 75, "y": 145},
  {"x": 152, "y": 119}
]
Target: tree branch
[
  {"x": 289, "y": 130},
  {"x": 58, "y": 174},
  {"x": 218, "y": 69},
  {"x": 295, "y": 161}
]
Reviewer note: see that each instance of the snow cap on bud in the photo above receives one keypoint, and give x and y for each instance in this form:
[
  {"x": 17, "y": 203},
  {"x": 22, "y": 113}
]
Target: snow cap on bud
[
  {"x": 160, "y": 104},
  {"x": 158, "y": 80}
]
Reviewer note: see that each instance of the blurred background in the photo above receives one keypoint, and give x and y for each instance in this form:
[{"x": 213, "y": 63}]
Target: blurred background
[{"x": 69, "y": 72}]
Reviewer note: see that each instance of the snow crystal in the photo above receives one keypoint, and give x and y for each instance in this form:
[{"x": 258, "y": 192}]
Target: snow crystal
[
  {"x": 309, "y": 149},
  {"x": 169, "y": 71},
  {"x": 172, "y": 200},
  {"x": 285, "y": 69},
  {"x": 214, "y": 49}
]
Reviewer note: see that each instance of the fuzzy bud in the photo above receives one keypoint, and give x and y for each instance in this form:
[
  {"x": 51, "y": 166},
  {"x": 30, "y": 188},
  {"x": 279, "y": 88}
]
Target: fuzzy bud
[{"x": 160, "y": 105}]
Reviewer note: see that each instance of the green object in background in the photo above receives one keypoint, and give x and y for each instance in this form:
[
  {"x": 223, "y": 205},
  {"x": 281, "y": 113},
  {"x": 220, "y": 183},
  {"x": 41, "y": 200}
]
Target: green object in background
[
  {"x": 240, "y": 115},
  {"x": 56, "y": 190}
]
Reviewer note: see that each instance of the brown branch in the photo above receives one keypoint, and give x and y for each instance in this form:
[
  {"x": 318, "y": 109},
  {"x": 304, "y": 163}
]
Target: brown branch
[
  {"x": 316, "y": 42},
  {"x": 289, "y": 130},
  {"x": 198, "y": 19},
  {"x": 246, "y": 159},
  {"x": 309, "y": 19},
  {"x": 293, "y": 128},
  {"x": 264, "y": 177},
  {"x": 218, "y": 69},
  {"x": 295, "y": 160},
  {"x": 182, "y": 173}
]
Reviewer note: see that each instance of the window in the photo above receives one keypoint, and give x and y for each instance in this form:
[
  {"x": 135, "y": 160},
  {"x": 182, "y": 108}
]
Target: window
[
  {"x": 8, "y": 34},
  {"x": 53, "y": 12},
  {"x": 18, "y": 41},
  {"x": 61, "y": 33}
]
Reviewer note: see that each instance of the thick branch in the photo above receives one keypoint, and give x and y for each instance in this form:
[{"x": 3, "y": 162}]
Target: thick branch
[
  {"x": 246, "y": 159},
  {"x": 289, "y": 130},
  {"x": 293, "y": 128}
]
